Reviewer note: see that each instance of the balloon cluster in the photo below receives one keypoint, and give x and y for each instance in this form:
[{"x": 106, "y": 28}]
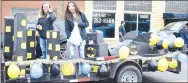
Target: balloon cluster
[
  {"x": 36, "y": 71},
  {"x": 164, "y": 41},
  {"x": 163, "y": 64}
]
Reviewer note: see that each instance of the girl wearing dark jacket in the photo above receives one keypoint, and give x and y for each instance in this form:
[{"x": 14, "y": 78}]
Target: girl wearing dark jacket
[
  {"x": 45, "y": 22},
  {"x": 184, "y": 35},
  {"x": 75, "y": 24}
]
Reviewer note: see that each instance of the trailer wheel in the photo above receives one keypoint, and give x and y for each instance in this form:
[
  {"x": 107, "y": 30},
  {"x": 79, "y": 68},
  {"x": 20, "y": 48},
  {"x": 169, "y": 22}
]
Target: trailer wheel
[{"x": 129, "y": 74}]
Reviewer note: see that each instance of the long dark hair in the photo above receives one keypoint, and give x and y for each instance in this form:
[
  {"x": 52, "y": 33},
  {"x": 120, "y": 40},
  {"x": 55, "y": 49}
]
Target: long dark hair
[
  {"x": 68, "y": 14},
  {"x": 42, "y": 13}
]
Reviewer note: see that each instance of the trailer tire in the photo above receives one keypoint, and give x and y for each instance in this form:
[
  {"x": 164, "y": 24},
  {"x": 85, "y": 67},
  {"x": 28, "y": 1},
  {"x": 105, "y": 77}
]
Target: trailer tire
[{"x": 129, "y": 74}]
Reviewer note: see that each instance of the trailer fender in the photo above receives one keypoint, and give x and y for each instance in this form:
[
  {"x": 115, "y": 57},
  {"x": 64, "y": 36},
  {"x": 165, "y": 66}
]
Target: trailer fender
[{"x": 117, "y": 66}]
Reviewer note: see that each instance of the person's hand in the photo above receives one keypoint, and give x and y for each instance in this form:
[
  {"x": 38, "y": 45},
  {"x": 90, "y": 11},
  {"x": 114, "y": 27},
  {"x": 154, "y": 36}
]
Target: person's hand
[
  {"x": 37, "y": 33},
  {"x": 80, "y": 24},
  {"x": 39, "y": 27},
  {"x": 50, "y": 10}
]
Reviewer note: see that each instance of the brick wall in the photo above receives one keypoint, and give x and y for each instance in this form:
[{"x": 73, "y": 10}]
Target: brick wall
[{"x": 7, "y": 5}]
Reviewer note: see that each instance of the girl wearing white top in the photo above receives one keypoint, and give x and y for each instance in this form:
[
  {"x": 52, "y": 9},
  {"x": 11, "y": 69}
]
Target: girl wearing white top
[{"x": 75, "y": 24}]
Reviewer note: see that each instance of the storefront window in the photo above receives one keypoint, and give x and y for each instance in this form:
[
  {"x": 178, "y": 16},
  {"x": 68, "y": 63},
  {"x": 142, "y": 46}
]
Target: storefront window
[
  {"x": 130, "y": 22},
  {"x": 140, "y": 22},
  {"x": 104, "y": 22}
]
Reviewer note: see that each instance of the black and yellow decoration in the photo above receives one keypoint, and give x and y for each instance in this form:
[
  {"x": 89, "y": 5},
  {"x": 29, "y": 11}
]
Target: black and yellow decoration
[
  {"x": 53, "y": 45},
  {"x": 91, "y": 52},
  {"x": 95, "y": 46},
  {"x": 8, "y": 38},
  {"x": 20, "y": 37},
  {"x": 96, "y": 50},
  {"x": 20, "y": 41},
  {"x": 31, "y": 39}
]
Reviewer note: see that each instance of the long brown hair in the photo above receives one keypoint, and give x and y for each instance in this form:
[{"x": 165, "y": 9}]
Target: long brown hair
[
  {"x": 42, "y": 13},
  {"x": 68, "y": 14}
]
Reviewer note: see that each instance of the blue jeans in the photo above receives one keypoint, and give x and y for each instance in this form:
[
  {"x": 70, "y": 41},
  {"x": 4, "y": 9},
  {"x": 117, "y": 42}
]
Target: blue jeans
[
  {"x": 76, "y": 51},
  {"x": 43, "y": 47}
]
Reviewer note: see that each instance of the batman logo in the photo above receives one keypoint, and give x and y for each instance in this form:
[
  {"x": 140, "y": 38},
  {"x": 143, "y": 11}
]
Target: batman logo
[{"x": 91, "y": 52}]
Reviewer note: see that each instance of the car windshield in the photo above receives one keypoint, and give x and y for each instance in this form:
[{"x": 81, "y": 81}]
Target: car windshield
[{"x": 173, "y": 26}]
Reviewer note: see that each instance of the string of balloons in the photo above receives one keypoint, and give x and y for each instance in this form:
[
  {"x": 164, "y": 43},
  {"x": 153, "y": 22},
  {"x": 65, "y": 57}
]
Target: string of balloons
[{"x": 61, "y": 61}]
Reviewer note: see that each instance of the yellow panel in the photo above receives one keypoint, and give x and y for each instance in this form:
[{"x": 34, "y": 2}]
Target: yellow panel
[
  {"x": 29, "y": 55},
  {"x": 3, "y": 67},
  {"x": 50, "y": 46},
  {"x": 23, "y": 45},
  {"x": 54, "y": 34},
  {"x": 23, "y": 22},
  {"x": 22, "y": 72},
  {"x": 19, "y": 58},
  {"x": 48, "y": 69},
  {"x": 55, "y": 58},
  {"x": 47, "y": 34},
  {"x": 13, "y": 38},
  {"x": 8, "y": 29},
  {"x": 95, "y": 68},
  {"x": 57, "y": 47},
  {"x": 32, "y": 44},
  {"x": 12, "y": 57},
  {"x": 19, "y": 34},
  {"x": 7, "y": 49},
  {"x": 48, "y": 57},
  {"x": 29, "y": 33}
]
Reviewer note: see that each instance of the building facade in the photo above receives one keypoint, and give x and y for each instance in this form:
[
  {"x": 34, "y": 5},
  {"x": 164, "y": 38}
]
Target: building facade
[{"x": 107, "y": 15}]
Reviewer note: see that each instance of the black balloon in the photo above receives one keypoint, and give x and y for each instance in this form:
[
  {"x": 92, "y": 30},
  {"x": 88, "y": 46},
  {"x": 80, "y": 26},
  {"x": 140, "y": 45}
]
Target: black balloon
[
  {"x": 172, "y": 47},
  {"x": 180, "y": 48},
  {"x": 55, "y": 71},
  {"x": 152, "y": 65},
  {"x": 159, "y": 45}
]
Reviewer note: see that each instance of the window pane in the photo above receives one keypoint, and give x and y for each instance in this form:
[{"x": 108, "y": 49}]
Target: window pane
[
  {"x": 104, "y": 22},
  {"x": 143, "y": 23},
  {"x": 145, "y": 6},
  {"x": 104, "y": 5},
  {"x": 130, "y": 22},
  {"x": 176, "y": 7}
]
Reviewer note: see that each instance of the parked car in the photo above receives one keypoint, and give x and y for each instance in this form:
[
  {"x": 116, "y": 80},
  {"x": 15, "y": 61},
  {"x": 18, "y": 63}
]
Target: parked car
[{"x": 174, "y": 27}]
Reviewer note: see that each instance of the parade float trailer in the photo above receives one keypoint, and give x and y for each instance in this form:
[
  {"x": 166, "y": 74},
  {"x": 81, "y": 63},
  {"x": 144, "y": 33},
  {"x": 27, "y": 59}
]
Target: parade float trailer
[{"x": 125, "y": 62}]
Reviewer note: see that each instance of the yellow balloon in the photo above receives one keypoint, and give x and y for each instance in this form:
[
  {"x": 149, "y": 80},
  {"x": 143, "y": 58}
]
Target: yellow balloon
[
  {"x": 68, "y": 69},
  {"x": 162, "y": 64},
  {"x": 143, "y": 61},
  {"x": 13, "y": 71},
  {"x": 151, "y": 44},
  {"x": 173, "y": 63},
  {"x": 179, "y": 42},
  {"x": 154, "y": 40},
  {"x": 165, "y": 44},
  {"x": 124, "y": 52}
]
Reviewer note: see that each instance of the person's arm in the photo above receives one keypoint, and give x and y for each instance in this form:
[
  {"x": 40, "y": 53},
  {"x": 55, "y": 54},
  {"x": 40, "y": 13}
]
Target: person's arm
[
  {"x": 120, "y": 33},
  {"x": 84, "y": 23},
  {"x": 67, "y": 29},
  {"x": 38, "y": 26},
  {"x": 51, "y": 15}
]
